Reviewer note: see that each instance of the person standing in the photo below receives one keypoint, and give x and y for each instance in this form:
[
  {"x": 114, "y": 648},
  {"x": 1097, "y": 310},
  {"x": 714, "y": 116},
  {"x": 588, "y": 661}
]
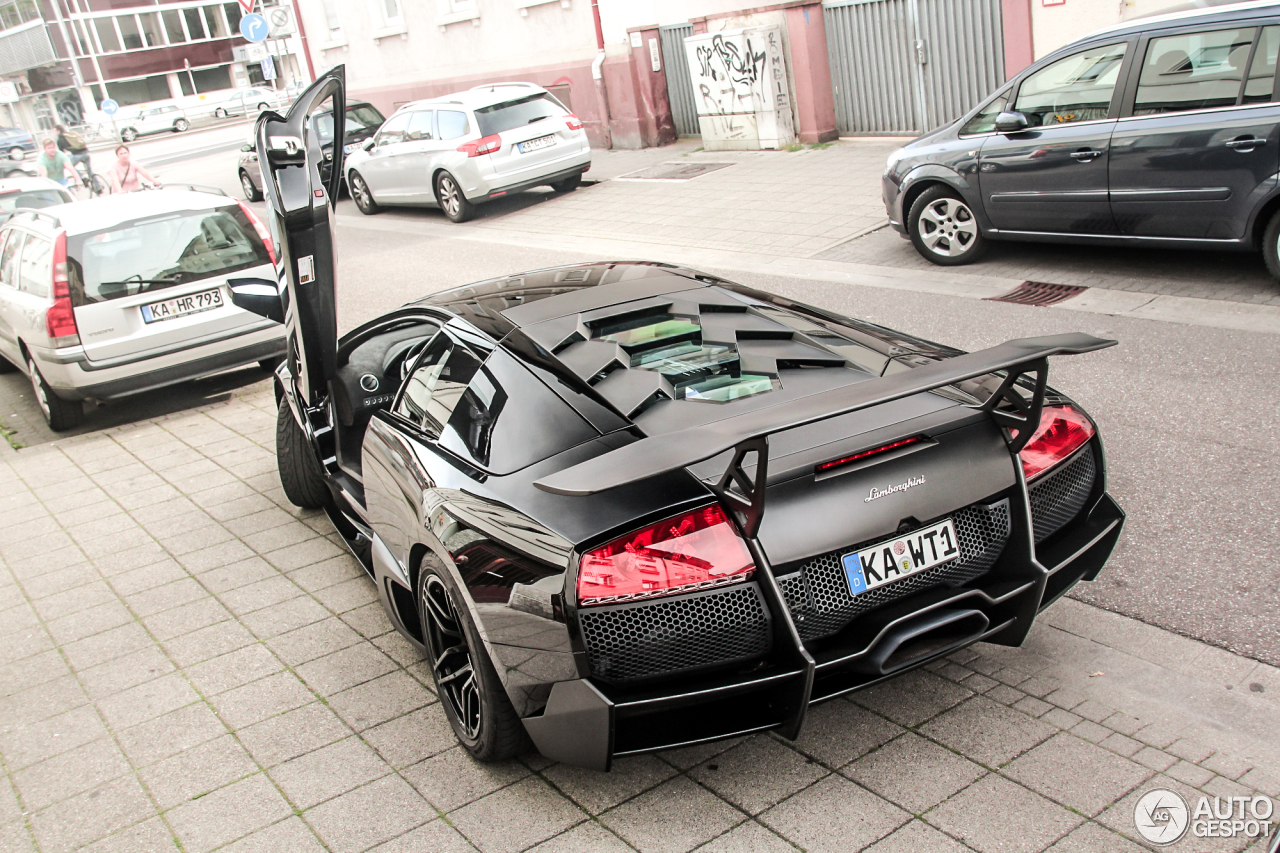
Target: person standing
[
  {"x": 55, "y": 165},
  {"x": 77, "y": 149},
  {"x": 125, "y": 175}
]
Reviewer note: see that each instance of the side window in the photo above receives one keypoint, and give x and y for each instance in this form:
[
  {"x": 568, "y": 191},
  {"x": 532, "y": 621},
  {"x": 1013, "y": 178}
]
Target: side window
[
  {"x": 9, "y": 260},
  {"x": 453, "y": 124},
  {"x": 34, "y": 270},
  {"x": 393, "y": 131},
  {"x": 985, "y": 120},
  {"x": 436, "y": 385},
  {"x": 1193, "y": 71},
  {"x": 419, "y": 126},
  {"x": 1262, "y": 71},
  {"x": 1075, "y": 88}
]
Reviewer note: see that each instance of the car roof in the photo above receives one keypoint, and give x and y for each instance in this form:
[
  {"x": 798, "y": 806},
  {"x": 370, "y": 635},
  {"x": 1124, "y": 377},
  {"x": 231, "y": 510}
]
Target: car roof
[
  {"x": 1189, "y": 17},
  {"x": 95, "y": 214},
  {"x": 480, "y": 97},
  {"x": 8, "y": 185}
]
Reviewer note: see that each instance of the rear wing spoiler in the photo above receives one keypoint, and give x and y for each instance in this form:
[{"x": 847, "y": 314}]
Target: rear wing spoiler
[{"x": 749, "y": 432}]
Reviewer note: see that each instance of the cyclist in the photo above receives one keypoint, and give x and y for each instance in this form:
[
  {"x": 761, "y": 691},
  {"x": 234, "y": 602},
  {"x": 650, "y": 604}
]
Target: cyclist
[
  {"x": 77, "y": 149},
  {"x": 125, "y": 175},
  {"x": 55, "y": 165}
]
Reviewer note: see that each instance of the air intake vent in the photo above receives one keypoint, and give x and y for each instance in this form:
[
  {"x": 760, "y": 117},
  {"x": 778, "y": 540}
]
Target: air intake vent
[{"x": 1040, "y": 293}]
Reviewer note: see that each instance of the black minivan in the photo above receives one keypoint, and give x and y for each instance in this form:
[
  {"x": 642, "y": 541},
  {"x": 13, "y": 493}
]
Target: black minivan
[{"x": 1163, "y": 131}]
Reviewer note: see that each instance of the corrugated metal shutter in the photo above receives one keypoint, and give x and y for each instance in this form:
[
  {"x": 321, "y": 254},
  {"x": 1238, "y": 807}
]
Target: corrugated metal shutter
[
  {"x": 906, "y": 66},
  {"x": 679, "y": 85}
]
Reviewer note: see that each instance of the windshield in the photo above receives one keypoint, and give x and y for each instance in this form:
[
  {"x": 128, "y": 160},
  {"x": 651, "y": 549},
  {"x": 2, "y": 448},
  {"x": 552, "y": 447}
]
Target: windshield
[
  {"x": 30, "y": 200},
  {"x": 358, "y": 118},
  {"x": 518, "y": 113},
  {"x": 150, "y": 254}
]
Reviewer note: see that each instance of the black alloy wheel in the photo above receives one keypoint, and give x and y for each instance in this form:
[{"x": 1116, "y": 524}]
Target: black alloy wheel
[
  {"x": 251, "y": 192},
  {"x": 361, "y": 195},
  {"x": 452, "y": 201},
  {"x": 943, "y": 228},
  {"x": 474, "y": 699}
]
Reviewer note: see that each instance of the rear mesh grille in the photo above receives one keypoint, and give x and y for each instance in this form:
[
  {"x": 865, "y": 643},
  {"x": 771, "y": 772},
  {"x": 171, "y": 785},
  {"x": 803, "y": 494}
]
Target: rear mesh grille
[
  {"x": 1060, "y": 496},
  {"x": 675, "y": 635},
  {"x": 819, "y": 599}
]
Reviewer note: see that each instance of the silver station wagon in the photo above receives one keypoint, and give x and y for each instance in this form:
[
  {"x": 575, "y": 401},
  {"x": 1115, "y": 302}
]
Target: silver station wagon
[{"x": 119, "y": 295}]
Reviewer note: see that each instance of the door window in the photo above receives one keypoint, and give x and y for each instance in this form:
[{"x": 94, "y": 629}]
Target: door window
[
  {"x": 393, "y": 131},
  {"x": 985, "y": 120},
  {"x": 453, "y": 124},
  {"x": 9, "y": 260},
  {"x": 436, "y": 385},
  {"x": 1193, "y": 71},
  {"x": 1262, "y": 71},
  {"x": 1075, "y": 88},
  {"x": 419, "y": 126},
  {"x": 35, "y": 271}
]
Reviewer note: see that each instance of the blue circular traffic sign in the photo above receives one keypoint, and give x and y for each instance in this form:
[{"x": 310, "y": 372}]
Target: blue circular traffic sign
[
  {"x": 254, "y": 27},
  {"x": 110, "y": 107}
]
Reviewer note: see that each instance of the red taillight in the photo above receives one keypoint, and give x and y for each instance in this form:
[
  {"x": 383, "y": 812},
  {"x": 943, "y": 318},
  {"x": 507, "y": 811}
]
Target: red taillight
[
  {"x": 60, "y": 319},
  {"x": 263, "y": 231},
  {"x": 893, "y": 445},
  {"x": 573, "y": 121},
  {"x": 692, "y": 551},
  {"x": 488, "y": 145},
  {"x": 1062, "y": 431}
]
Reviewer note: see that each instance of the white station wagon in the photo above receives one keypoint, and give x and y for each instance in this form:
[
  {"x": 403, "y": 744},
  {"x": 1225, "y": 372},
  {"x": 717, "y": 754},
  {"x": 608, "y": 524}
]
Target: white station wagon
[{"x": 119, "y": 295}]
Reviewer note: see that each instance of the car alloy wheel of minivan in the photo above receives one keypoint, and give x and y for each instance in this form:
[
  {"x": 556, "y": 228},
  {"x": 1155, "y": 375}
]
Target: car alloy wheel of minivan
[
  {"x": 452, "y": 201},
  {"x": 362, "y": 196},
  {"x": 251, "y": 192},
  {"x": 943, "y": 228}
]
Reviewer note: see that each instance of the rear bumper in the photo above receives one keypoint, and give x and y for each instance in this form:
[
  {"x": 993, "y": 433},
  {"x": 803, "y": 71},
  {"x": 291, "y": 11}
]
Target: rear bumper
[
  {"x": 588, "y": 722},
  {"x": 553, "y": 178}
]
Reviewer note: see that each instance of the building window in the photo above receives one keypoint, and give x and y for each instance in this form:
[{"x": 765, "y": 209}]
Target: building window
[
  {"x": 217, "y": 25},
  {"x": 392, "y": 15},
  {"x": 234, "y": 14},
  {"x": 462, "y": 5},
  {"x": 17, "y": 13},
  {"x": 129, "y": 32},
  {"x": 173, "y": 26},
  {"x": 195, "y": 25},
  {"x": 151, "y": 29},
  {"x": 107, "y": 35},
  {"x": 332, "y": 20}
]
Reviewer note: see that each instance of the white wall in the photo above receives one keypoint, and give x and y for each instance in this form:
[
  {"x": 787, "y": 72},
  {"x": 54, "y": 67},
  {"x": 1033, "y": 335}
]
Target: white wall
[{"x": 1058, "y": 25}]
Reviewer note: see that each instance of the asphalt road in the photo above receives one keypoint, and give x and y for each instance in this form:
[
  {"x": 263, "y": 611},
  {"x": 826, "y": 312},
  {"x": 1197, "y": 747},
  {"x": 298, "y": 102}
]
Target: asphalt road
[{"x": 1187, "y": 413}]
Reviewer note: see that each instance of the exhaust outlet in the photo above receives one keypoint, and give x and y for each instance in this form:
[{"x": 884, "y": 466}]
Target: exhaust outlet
[{"x": 934, "y": 633}]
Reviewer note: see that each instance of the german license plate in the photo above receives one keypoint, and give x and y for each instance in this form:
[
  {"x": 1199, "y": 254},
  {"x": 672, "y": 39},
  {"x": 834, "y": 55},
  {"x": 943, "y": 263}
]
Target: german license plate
[
  {"x": 180, "y": 306},
  {"x": 898, "y": 558},
  {"x": 347, "y": 149},
  {"x": 537, "y": 144}
]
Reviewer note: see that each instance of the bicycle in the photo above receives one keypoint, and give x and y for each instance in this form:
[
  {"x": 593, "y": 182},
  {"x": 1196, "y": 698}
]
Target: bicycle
[{"x": 90, "y": 180}]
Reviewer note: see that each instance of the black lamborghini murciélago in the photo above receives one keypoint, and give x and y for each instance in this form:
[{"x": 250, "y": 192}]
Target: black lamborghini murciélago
[{"x": 628, "y": 506}]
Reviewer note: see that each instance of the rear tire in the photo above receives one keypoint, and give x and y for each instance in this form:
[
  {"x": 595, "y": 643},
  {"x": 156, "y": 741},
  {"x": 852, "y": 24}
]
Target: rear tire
[
  {"x": 300, "y": 472},
  {"x": 1271, "y": 245},
  {"x": 16, "y": 153},
  {"x": 220, "y": 113},
  {"x": 58, "y": 413},
  {"x": 361, "y": 195},
  {"x": 944, "y": 229},
  {"x": 180, "y": 125},
  {"x": 568, "y": 185},
  {"x": 251, "y": 192},
  {"x": 475, "y": 702},
  {"x": 7, "y": 366},
  {"x": 451, "y": 200},
  {"x": 128, "y": 134}
]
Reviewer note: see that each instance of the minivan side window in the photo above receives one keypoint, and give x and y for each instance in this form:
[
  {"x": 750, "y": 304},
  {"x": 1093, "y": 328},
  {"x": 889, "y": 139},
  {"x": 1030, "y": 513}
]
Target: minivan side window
[
  {"x": 393, "y": 131},
  {"x": 1075, "y": 88},
  {"x": 985, "y": 120},
  {"x": 453, "y": 124},
  {"x": 1193, "y": 71},
  {"x": 419, "y": 126},
  {"x": 35, "y": 270},
  {"x": 9, "y": 260},
  {"x": 1262, "y": 71}
]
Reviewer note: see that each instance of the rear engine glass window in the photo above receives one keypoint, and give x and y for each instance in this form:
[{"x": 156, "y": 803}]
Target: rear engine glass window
[
  {"x": 453, "y": 124},
  {"x": 517, "y": 113},
  {"x": 1075, "y": 88},
  {"x": 1194, "y": 71},
  {"x": 151, "y": 254},
  {"x": 35, "y": 271},
  {"x": 1262, "y": 71}
]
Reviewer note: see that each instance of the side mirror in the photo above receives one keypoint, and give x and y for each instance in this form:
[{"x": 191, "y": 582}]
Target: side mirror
[
  {"x": 367, "y": 145},
  {"x": 257, "y": 296},
  {"x": 1010, "y": 121},
  {"x": 247, "y": 147}
]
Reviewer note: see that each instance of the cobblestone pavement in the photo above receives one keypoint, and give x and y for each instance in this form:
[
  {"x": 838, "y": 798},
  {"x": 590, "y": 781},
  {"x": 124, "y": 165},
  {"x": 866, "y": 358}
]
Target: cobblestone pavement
[{"x": 190, "y": 663}]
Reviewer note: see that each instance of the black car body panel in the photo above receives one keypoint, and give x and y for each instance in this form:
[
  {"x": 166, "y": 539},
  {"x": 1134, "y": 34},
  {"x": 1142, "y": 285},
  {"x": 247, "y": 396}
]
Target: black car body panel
[
  {"x": 1140, "y": 172},
  {"x": 497, "y": 434}
]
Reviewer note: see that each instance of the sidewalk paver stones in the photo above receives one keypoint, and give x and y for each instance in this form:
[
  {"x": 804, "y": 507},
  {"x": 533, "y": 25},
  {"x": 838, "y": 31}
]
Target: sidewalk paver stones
[{"x": 189, "y": 662}]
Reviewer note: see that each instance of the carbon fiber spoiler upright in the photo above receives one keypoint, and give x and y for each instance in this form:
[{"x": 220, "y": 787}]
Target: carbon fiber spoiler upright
[{"x": 749, "y": 432}]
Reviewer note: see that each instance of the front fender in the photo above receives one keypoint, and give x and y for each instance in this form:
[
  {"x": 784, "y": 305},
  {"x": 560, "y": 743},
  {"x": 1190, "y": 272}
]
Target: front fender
[{"x": 919, "y": 179}]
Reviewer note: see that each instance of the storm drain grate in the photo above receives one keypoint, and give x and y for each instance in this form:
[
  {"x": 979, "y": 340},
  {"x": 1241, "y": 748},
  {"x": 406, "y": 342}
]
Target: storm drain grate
[
  {"x": 672, "y": 171},
  {"x": 1039, "y": 293}
]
